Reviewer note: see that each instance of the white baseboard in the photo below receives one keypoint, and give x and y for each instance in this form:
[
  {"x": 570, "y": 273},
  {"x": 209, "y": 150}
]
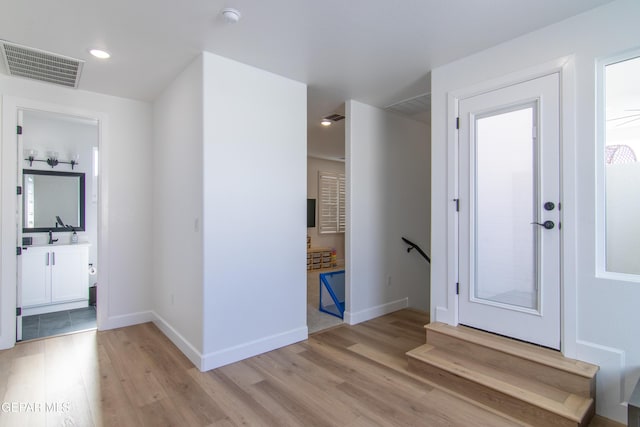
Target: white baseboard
[
  {"x": 114, "y": 322},
  {"x": 611, "y": 387},
  {"x": 55, "y": 307},
  {"x": 353, "y": 318},
  {"x": 228, "y": 355},
  {"x": 252, "y": 348},
  {"x": 178, "y": 340}
]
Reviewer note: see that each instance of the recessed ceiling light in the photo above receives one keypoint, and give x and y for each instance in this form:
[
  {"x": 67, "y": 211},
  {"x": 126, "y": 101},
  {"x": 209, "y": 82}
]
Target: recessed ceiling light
[
  {"x": 231, "y": 15},
  {"x": 325, "y": 122},
  {"x": 102, "y": 54}
]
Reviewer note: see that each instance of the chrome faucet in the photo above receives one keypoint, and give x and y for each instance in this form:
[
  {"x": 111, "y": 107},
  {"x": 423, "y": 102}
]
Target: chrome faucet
[{"x": 51, "y": 239}]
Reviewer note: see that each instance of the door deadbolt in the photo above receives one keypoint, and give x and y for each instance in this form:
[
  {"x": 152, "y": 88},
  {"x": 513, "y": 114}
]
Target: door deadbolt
[
  {"x": 549, "y": 206},
  {"x": 549, "y": 225}
]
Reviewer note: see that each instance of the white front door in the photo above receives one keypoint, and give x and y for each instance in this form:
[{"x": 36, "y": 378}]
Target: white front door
[{"x": 509, "y": 202}]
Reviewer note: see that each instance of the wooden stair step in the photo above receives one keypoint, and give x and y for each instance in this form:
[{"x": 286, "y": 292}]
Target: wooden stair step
[
  {"x": 501, "y": 376},
  {"x": 519, "y": 397},
  {"x": 546, "y": 365},
  {"x": 517, "y": 348}
]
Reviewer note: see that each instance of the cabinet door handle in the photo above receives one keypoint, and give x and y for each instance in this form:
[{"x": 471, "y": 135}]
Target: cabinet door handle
[
  {"x": 53, "y": 257},
  {"x": 47, "y": 258}
]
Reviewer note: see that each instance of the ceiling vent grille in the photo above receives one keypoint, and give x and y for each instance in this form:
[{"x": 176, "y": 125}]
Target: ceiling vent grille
[
  {"x": 418, "y": 107},
  {"x": 334, "y": 117},
  {"x": 22, "y": 61}
]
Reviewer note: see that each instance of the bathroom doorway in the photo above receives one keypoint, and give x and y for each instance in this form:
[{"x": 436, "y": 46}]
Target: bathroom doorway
[{"x": 57, "y": 223}]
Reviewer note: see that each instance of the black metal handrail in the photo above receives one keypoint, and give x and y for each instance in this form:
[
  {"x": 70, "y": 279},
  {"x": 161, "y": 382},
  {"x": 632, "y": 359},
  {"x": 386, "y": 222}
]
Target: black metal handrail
[{"x": 417, "y": 248}]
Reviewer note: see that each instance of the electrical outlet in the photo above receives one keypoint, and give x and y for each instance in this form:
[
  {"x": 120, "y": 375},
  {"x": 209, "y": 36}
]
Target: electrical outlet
[
  {"x": 389, "y": 281},
  {"x": 171, "y": 299}
]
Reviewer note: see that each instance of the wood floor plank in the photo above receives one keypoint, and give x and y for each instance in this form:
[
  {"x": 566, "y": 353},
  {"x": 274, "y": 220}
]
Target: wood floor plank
[
  {"x": 315, "y": 388},
  {"x": 349, "y": 376},
  {"x": 24, "y": 385},
  {"x": 353, "y": 367},
  {"x": 134, "y": 370},
  {"x": 113, "y": 408},
  {"x": 162, "y": 412},
  {"x": 64, "y": 386},
  {"x": 239, "y": 409},
  {"x": 263, "y": 415},
  {"x": 191, "y": 400},
  {"x": 240, "y": 373},
  {"x": 303, "y": 411}
]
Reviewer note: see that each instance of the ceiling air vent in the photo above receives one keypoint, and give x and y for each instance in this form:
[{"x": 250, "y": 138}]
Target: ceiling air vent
[
  {"x": 418, "y": 107},
  {"x": 334, "y": 117},
  {"x": 22, "y": 61}
]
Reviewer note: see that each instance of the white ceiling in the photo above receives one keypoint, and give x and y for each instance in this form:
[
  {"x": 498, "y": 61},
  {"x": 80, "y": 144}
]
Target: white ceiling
[{"x": 375, "y": 51}]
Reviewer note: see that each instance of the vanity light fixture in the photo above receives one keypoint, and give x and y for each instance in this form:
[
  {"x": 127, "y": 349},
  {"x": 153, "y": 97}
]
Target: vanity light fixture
[
  {"x": 51, "y": 160},
  {"x": 31, "y": 155},
  {"x": 74, "y": 160}
]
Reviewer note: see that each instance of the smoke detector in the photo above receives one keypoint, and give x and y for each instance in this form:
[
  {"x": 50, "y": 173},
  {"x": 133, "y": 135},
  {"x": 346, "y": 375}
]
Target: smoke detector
[
  {"x": 231, "y": 15},
  {"x": 36, "y": 64}
]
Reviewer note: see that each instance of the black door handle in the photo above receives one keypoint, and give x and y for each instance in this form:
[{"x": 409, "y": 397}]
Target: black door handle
[{"x": 549, "y": 225}]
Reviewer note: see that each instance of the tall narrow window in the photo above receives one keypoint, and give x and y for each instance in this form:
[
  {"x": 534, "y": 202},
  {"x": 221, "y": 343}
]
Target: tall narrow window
[
  {"x": 331, "y": 209},
  {"x": 622, "y": 169},
  {"x": 505, "y": 204}
]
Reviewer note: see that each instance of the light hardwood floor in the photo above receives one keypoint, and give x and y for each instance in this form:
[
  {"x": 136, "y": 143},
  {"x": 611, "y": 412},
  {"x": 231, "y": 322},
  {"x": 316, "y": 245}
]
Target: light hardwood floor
[{"x": 346, "y": 376}]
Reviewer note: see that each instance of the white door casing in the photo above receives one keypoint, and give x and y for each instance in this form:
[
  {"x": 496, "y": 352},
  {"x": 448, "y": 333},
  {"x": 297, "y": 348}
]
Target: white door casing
[
  {"x": 509, "y": 269},
  {"x": 18, "y": 225}
]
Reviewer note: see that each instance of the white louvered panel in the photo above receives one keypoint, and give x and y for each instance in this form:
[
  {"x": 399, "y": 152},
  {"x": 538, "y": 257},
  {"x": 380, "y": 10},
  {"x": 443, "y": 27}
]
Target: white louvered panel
[
  {"x": 342, "y": 218},
  {"x": 328, "y": 202},
  {"x": 331, "y": 209}
]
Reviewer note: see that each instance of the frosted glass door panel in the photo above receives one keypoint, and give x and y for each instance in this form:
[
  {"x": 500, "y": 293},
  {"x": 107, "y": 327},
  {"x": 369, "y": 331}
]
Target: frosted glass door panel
[
  {"x": 505, "y": 199},
  {"x": 622, "y": 169}
]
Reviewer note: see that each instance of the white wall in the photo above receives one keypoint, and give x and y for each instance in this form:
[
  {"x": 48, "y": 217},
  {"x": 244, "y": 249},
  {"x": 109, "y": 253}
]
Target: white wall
[
  {"x": 600, "y": 323},
  {"x": 254, "y": 220},
  {"x": 67, "y": 136},
  {"x": 177, "y": 211},
  {"x": 125, "y": 212},
  {"x": 314, "y": 165},
  {"x": 388, "y": 198}
]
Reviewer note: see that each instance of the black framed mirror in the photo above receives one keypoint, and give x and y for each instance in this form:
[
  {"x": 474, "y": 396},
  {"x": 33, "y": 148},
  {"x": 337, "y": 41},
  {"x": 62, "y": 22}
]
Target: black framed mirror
[{"x": 48, "y": 195}]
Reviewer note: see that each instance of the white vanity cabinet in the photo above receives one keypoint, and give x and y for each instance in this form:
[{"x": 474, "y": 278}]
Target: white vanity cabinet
[{"x": 54, "y": 278}]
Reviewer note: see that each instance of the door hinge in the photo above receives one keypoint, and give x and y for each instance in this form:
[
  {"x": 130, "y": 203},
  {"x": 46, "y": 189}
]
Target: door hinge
[
  {"x": 457, "y": 202},
  {"x": 18, "y": 250},
  {"x": 457, "y": 288},
  {"x": 18, "y": 311},
  {"x": 457, "y": 122},
  {"x": 19, "y": 190},
  {"x": 19, "y": 130}
]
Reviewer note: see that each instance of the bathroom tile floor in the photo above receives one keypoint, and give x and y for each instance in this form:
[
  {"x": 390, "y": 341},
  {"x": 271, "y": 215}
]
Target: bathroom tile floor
[{"x": 60, "y": 322}]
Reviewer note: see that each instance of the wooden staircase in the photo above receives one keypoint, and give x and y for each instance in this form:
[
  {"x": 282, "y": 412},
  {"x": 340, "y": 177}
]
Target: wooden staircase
[{"x": 532, "y": 384}]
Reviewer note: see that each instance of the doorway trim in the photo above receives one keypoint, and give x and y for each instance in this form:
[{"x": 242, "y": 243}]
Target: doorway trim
[
  {"x": 565, "y": 67},
  {"x": 9, "y": 165}
]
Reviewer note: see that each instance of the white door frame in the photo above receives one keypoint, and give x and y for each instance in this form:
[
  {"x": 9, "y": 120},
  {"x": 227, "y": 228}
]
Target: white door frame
[
  {"x": 566, "y": 69},
  {"x": 9, "y": 165}
]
